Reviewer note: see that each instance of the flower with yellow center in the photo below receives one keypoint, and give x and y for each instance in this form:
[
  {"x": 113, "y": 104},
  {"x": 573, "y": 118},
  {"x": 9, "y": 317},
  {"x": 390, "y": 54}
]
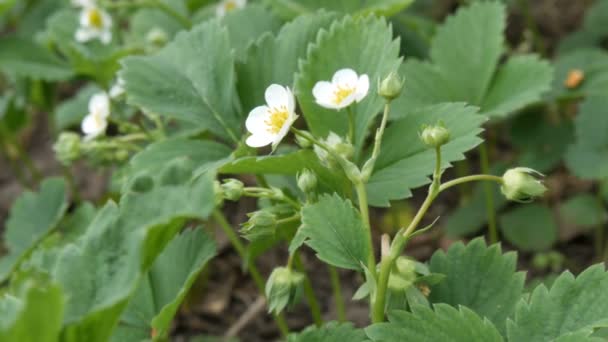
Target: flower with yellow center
[
  {"x": 270, "y": 123},
  {"x": 345, "y": 88},
  {"x": 226, "y": 6},
  {"x": 96, "y": 122},
  {"x": 95, "y": 23}
]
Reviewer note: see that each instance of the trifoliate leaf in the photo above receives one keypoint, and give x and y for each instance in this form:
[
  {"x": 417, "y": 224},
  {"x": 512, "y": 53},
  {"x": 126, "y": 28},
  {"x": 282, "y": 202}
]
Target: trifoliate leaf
[
  {"x": 480, "y": 278},
  {"x": 571, "y": 306},
  {"x": 23, "y": 57},
  {"x": 167, "y": 282},
  {"x": 102, "y": 269},
  {"x": 365, "y": 45},
  {"x": 334, "y": 229},
  {"x": 586, "y": 158},
  {"x": 444, "y": 323},
  {"x": 72, "y": 111},
  {"x": 530, "y": 227},
  {"x": 259, "y": 21},
  {"x": 34, "y": 314},
  {"x": 470, "y": 43},
  {"x": 274, "y": 59},
  {"x": 32, "y": 217},
  {"x": 191, "y": 79},
  {"x": 405, "y": 162},
  {"x": 329, "y": 332}
]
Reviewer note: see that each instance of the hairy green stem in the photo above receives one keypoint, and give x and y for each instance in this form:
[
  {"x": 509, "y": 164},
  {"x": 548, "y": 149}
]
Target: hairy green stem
[
  {"x": 219, "y": 217},
  {"x": 309, "y": 293},
  {"x": 471, "y": 178},
  {"x": 364, "y": 209},
  {"x": 351, "y": 124},
  {"x": 489, "y": 196},
  {"x": 336, "y": 287}
]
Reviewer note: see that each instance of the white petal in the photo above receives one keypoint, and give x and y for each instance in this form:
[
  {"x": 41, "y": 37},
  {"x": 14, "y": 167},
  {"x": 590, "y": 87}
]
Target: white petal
[
  {"x": 83, "y": 35},
  {"x": 118, "y": 89},
  {"x": 93, "y": 125},
  {"x": 259, "y": 140},
  {"x": 255, "y": 121},
  {"x": 291, "y": 101},
  {"x": 83, "y": 3},
  {"x": 220, "y": 10},
  {"x": 345, "y": 77},
  {"x": 84, "y": 17},
  {"x": 107, "y": 19},
  {"x": 323, "y": 92},
  {"x": 284, "y": 130},
  {"x": 241, "y": 3},
  {"x": 106, "y": 37},
  {"x": 362, "y": 88},
  {"x": 276, "y": 96},
  {"x": 99, "y": 104}
]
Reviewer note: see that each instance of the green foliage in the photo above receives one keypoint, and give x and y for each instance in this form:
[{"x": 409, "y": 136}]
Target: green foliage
[
  {"x": 25, "y": 58},
  {"x": 292, "y": 8},
  {"x": 191, "y": 79},
  {"x": 572, "y": 307},
  {"x": 444, "y": 323},
  {"x": 531, "y": 227},
  {"x": 583, "y": 210},
  {"x": 365, "y": 45},
  {"x": 334, "y": 229},
  {"x": 329, "y": 332},
  {"x": 586, "y": 158},
  {"x": 471, "y": 43},
  {"x": 166, "y": 284},
  {"x": 405, "y": 162},
  {"x": 24, "y": 229},
  {"x": 480, "y": 278},
  {"x": 259, "y": 21},
  {"x": 594, "y": 65}
]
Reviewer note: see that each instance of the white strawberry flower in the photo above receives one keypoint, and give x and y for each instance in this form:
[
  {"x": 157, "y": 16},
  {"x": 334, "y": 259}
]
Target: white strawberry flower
[
  {"x": 226, "y": 6},
  {"x": 118, "y": 88},
  {"x": 96, "y": 121},
  {"x": 345, "y": 88},
  {"x": 95, "y": 23},
  {"x": 270, "y": 123}
]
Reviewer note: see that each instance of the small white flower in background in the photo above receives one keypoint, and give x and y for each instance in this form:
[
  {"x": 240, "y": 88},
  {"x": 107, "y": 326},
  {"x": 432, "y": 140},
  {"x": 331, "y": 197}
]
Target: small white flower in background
[
  {"x": 269, "y": 124},
  {"x": 83, "y": 3},
  {"x": 226, "y": 6},
  {"x": 96, "y": 122},
  {"x": 118, "y": 89},
  {"x": 345, "y": 88},
  {"x": 95, "y": 23}
]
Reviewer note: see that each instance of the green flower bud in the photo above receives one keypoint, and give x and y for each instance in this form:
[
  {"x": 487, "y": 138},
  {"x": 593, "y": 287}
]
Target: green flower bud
[
  {"x": 435, "y": 136},
  {"x": 338, "y": 145},
  {"x": 403, "y": 274},
  {"x": 261, "y": 223},
  {"x": 390, "y": 88},
  {"x": 522, "y": 184},
  {"x": 283, "y": 288},
  {"x": 302, "y": 142},
  {"x": 233, "y": 189},
  {"x": 219, "y": 193},
  {"x": 157, "y": 37},
  {"x": 67, "y": 148},
  {"x": 307, "y": 181}
]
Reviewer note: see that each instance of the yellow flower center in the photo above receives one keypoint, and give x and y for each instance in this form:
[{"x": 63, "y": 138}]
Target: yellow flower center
[
  {"x": 277, "y": 119},
  {"x": 95, "y": 18},
  {"x": 229, "y": 6},
  {"x": 341, "y": 93}
]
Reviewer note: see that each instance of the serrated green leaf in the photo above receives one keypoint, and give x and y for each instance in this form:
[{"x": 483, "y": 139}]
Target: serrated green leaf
[
  {"x": 480, "y": 278},
  {"x": 293, "y": 8},
  {"x": 583, "y": 210},
  {"x": 289, "y": 164},
  {"x": 571, "y": 306},
  {"x": 444, "y": 323},
  {"x": 72, "y": 111},
  {"x": 586, "y": 158},
  {"x": 23, "y": 57},
  {"x": 365, "y": 45},
  {"x": 274, "y": 59},
  {"x": 33, "y": 315},
  {"x": 329, "y": 332},
  {"x": 405, "y": 162},
  {"x": 25, "y": 230},
  {"x": 147, "y": 19},
  {"x": 334, "y": 229},
  {"x": 470, "y": 43},
  {"x": 530, "y": 227},
  {"x": 258, "y": 19},
  {"x": 101, "y": 270},
  {"x": 191, "y": 79},
  {"x": 165, "y": 286}
]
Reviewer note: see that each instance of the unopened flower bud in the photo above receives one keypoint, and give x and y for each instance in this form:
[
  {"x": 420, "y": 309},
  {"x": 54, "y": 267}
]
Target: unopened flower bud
[
  {"x": 435, "y": 136},
  {"x": 261, "y": 223},
  {"x": 283, "y": 288},
  {"x": 338, "y": 145},
  {"x": 67, "y": 147},
  {"x": 307, "y": 181},
  {"x": 403, "y": 274},
  {"x": 303, "y": 142},
  {"x": 157, "y": 37},
  {"x": 390, "y": 88},
  {"x": 522, "y": 184},
  {"x": 233, "y": 189},
  {"x": 219, "y": 193}
]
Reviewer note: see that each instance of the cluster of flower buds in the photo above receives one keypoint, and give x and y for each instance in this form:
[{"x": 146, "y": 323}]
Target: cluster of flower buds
[{"x": 283, "y": 288}]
